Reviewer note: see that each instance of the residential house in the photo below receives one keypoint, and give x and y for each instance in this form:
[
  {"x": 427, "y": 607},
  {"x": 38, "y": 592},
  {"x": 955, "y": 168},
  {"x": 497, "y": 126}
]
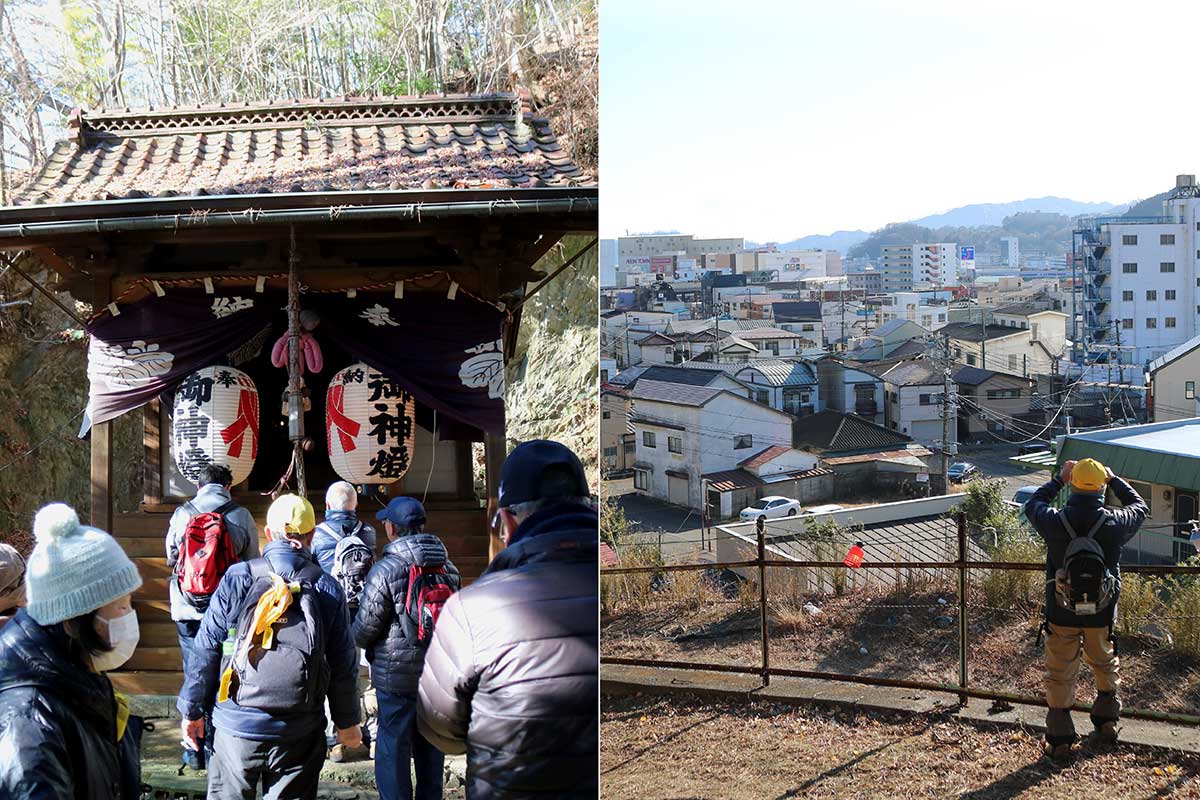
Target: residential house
[
  {"x": 886, "y": 339},
  {"x": 684, "y": 432},
  {"x": 608, "y": 368},
  {"x": 802, "y": 317},
  {"x": 789, "y": 386},
  {"x": 913, "y": 399},
  {"x": 928, "y": 312},
  {"x": 995, "y": 403},
  {"x": 620, "y": 331},
  {"x": 776, "y": 343},
  {"x": 775, "y": 470},
  {"x": 1162, "y": 462},
  {"x": 1030, "y": 350},
  {"x": 616, "y": 435},
  {"x": 862, "y": 455},
  {"x": 1173, "y": 379},
  {"x": 846, "y": 389}
]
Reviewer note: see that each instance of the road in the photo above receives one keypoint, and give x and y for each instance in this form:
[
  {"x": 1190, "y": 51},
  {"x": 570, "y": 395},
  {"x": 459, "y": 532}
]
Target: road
[
  {"x": 678, "y": 528},
  {"x": 993, "y": 462}
]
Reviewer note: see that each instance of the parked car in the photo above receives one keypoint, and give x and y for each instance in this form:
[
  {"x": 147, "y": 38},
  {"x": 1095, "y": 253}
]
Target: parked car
[
  {"x": 771, "y": 507},
  {"x": 1032, "y": 447},
  {"x": 962, "y": 471},
  {"x": 1022, "y": 495}
]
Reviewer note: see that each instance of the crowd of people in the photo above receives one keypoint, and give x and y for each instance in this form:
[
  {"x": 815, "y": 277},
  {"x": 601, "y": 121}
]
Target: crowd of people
[{"x": 504, "y": 670}]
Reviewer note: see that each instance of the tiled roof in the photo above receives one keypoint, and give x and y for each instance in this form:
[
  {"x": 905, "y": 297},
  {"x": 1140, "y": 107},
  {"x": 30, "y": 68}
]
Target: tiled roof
[
  {"x": 917, "y": 372},
  {"x": 974, "y": 332},
  {"x": 765, "y": 333},
  {"x": 689, "y": 377},
  {"x": 913, "y": 347},
  {"x": 676, "y": 393},
  {"x": 797, "y": 311},
  {"x": 1020, "y": 309},
  {"x": 608, "y": 556},
  {"x": 972, "y": 376},
  {"x": 783, "y": 373},
  {"x": 628, "y": 375},
  {"x": 763, "y": 456},
  {"x": 832, "y": 431},
  {"x": 354, "y": 144},
  {"x": 655, "y": 338},
  {"x": 1171, "y": 355}
]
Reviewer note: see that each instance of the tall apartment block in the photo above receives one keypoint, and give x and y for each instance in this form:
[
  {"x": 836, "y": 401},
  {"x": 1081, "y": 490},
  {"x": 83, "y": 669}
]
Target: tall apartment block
[
  {"x": 904, "y": 267},
  {"x": 1139, "y": 280}
]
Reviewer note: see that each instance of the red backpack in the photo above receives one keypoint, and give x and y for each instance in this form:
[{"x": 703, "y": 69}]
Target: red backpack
[
  {"x": 432, "y": 588},
  {"x": 205, "y": 553}
]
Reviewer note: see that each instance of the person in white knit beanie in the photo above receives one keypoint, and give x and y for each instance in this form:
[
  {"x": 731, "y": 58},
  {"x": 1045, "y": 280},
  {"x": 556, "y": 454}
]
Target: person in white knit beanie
[{"x": 60, "y": 722}]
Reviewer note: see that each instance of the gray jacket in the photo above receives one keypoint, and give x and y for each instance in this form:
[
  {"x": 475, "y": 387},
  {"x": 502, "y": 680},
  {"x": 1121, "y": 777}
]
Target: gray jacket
[
  {"x": 242, "y": 530},
  {"x": 511, "y": 676}
]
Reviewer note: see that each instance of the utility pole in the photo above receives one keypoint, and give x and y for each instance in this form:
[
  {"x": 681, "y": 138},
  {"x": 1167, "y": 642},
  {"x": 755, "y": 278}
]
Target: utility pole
[
  {"x": 716, "y": 339},
  {"x": 946, "y": 406}
]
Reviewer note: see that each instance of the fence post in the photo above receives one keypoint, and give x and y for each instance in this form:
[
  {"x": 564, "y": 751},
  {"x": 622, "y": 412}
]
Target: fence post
[
  {"x": 962, "y": 606},
  {"x": 762, "y": 599}
]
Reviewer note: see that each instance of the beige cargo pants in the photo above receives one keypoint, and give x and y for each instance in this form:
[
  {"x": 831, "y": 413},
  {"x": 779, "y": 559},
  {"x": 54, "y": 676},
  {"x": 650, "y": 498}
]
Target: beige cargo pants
[{"x": 1063, "y": 648}]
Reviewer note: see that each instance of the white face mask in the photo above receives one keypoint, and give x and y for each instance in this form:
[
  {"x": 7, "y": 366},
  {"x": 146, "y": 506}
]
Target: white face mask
[{"x": 123, "y": 634}]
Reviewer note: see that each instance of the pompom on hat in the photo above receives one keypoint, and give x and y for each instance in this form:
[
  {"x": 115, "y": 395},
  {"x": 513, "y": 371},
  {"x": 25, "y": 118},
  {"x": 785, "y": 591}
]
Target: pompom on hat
[{"x": 74, "y": 568}]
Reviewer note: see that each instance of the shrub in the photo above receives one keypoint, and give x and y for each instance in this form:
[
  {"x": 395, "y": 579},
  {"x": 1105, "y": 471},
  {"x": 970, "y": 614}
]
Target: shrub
[
  {"x": 1182, "y": 617},
  {"x": 634, "y": 590},
  {"x": 1139, "y": 600},
  {"x": 1009, "y": 588},
  {"x": 985, "y": 506}
]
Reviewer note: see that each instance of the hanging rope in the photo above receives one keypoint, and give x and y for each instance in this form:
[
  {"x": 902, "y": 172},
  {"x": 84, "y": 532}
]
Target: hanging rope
[{"x": 295, "y": 382}]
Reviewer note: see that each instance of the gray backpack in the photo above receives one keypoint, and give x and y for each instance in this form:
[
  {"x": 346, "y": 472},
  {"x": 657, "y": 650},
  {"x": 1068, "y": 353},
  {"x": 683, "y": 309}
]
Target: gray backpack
[
  {"x": 292, "y": 675},
  {"x": 1084, "y": 584},
  {"x": 352, "y": 562}
]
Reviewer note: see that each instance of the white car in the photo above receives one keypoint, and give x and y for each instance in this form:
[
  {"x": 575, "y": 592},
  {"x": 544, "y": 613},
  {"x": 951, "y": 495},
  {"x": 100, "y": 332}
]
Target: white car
[{"x": 771, "y": 507}]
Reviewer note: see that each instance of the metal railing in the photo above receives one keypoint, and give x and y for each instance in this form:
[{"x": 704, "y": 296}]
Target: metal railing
[{"x": 961, "y": 565}]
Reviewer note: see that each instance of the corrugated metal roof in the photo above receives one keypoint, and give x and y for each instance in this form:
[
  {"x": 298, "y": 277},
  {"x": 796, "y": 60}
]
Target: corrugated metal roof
[
  {"x": 756, "y": 334},
  {"x": 783, "y": 373},
  {"x": 676, "y": 393},
  {"x": 908, "y": 456},
  {"x": 730, "y": 479},
  {"x": 689, "y": 377},
  {"x": 765, "y": 455},
  {"x": 1167, "y": 453}
]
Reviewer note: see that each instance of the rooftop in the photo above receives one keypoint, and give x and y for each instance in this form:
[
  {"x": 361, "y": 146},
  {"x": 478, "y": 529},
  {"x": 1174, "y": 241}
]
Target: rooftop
[
  {"x": 783, "y": 373},
  {"x": 763, "y": 456},
  {"x": 675, "y": 393},
  {"x": 756, "y": 334},
  {"x": 680, "y": 375},
  {"x": 835, "y": 432},
  {"x": 974, "y": 332},
  {"x": 1166, "y": 453},
  {"x": 410, "y": 144},
  {"x": 1173, "y": 354},
  {"x": 918, "y": 372},
  {"x": 796, "y": 311}
]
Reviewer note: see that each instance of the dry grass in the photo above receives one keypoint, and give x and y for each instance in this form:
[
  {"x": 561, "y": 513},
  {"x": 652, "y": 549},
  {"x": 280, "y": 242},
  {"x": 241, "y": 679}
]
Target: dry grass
[{"x": 687, "y": 748}]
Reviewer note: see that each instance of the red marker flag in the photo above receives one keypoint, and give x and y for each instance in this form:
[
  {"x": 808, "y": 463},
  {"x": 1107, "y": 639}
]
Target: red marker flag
[{"x": 854, "y": 558}]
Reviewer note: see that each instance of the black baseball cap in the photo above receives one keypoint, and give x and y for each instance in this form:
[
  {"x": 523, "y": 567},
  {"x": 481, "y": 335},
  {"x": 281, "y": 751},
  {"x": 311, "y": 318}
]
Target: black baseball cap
[{"x": 541, "y": 470}]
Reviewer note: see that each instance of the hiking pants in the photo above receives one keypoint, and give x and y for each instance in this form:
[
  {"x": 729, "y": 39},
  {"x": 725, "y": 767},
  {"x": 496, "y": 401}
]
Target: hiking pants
[
  {"x": 399, "y": 740},
  {"x": 1064, "y": 646},
  {"x": 286, "y": 770}
]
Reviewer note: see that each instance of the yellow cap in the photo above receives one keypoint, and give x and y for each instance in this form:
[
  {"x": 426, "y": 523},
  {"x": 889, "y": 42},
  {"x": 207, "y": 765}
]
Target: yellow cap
[
  {"x": 291, "y": 513},
  {"x": 1088, "y": 475}
]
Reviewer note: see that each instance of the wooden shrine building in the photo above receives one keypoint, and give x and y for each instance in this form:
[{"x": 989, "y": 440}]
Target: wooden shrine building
[{"x": 411, "y": 227}]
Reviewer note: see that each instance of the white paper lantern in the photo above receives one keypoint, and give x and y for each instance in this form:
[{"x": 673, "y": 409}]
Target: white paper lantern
[
  {"x": 216, "y": 422},
  {"x": 369, "y": 426}
]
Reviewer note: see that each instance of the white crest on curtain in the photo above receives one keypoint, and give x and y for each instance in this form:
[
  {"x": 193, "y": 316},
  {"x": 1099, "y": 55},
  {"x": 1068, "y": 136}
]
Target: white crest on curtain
[
  {"x": 127, "y": 368},
  {"x": 224, "y": 306},
  {"x": 485, "y": 368},
  {"x": 379, "y": 315}
]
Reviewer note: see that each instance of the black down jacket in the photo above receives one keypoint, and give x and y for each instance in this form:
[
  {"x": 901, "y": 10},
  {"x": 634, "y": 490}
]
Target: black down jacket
[
  {"x": 58, "y": 720},
  {"x": 378, "y": 629},
  {"x": 511, "y": 675}
]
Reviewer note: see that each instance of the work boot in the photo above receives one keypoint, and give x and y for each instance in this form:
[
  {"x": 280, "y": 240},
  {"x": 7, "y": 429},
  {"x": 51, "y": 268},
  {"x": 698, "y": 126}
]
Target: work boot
[
  {"x": 341, "y": 753},
  {"x": 1106, "y": 712},
  {"x": 1058, "y": 751},
  {"x": 1107, "y": 732}
]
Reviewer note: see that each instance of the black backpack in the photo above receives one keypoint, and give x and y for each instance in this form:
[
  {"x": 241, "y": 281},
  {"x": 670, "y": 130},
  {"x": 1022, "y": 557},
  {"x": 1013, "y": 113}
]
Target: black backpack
[
  {"x": 1084, "y": 584},
  {"x": 292, "y": 674},
  {"x": 352, "y": 560}
]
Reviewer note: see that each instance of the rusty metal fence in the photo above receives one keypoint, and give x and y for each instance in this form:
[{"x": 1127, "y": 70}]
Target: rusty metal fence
[{"x": 959, "y": 567}]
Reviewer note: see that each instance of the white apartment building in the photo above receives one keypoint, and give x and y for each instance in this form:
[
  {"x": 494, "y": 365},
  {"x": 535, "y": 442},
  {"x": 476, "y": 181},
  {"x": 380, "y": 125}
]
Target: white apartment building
[
  {"x": 646, "y": 247},
  {"x": 930, "y": 314},
  {"x": 683, "y": 432},
  {"x": 904, "y": 267},
  {"x": 1141, "y": 278},
  {"x": 1010, "y": 251}
]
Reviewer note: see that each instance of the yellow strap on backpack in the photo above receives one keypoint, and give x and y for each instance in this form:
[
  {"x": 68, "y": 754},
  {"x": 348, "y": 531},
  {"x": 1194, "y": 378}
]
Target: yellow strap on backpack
[
  {"x": 271, "y": 606},
  {"x": 122, "y": 714}
]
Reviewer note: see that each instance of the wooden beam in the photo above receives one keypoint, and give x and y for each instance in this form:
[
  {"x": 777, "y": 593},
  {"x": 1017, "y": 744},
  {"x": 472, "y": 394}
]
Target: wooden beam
[
  {"x": 495, "y": 451},
  {"x": 152, "y": 452},
  {"x": 463, "y": 468},
  {"x": 102, "y": 455}
]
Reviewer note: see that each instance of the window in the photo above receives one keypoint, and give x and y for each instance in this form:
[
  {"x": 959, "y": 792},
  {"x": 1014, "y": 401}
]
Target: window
[
  {"x": 610, "y": 452},
  {"x": 762, "y": 396},
  {"x": 1127, "y": 296},
  {"x": 1151, "y": 322},
  {"x": 1003, "y": 394},
  {"x": 1127, "y": 324},
  {"x": 743, "y": 442},
  {"x": 970, "y": 361},
  {"x": 1166, "y": 238},
  {"x": 1166, "y": 266},
  {"x": 641, "y": 480},
  {"x": 806, "y": 327},
  {"x": 1168, "y": 294},
  {"x": 1129, "y": 268},
  {"x": 674, "y": 444},
  {"x": 604, "y": 376},
  {"x": 606, "y": 414},
  {"x": 648, "y": 439},
  {"x": 1129, "y": 238},
  {"x": 1151, "y": 294},
  {"x": 630, "y": 446},
  {"x": 1189, "y": 390},
  {"x": 926, "y": 399},
  {"x": 1169, "y": 322},
  {"x": 1012, "y": 361}
]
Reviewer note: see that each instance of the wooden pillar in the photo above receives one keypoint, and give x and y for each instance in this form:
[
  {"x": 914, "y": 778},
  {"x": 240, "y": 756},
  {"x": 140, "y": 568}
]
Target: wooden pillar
[
  {"x": 152, "y": 464},
  {"x": 494, "y": 452},
  {"x": 102, "y": 456}
]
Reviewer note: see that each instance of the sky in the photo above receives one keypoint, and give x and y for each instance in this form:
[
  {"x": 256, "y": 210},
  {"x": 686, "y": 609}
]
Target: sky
[{"x": 775, "y": 120}]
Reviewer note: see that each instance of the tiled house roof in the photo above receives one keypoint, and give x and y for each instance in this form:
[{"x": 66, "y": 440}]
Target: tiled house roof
[
  {"x": 832, "y": 431},
  {"x": 352, "y": 144}
]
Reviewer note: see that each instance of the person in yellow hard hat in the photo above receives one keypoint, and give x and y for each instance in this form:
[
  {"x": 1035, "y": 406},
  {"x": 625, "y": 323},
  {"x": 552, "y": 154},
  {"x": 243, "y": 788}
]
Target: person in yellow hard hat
[
  {"x": 274, "y": 645},
  {"x": 1084, "y": 540}
]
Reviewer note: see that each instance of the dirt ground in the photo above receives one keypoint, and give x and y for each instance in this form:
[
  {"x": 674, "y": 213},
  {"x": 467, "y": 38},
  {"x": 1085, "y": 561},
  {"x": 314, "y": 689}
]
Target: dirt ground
[
  {"x": 681, "y": 748},
  {"x": 905, "y": 636}
]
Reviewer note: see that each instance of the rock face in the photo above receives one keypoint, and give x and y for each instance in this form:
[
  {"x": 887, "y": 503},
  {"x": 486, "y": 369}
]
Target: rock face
[{"x": 552, "y": 379}]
